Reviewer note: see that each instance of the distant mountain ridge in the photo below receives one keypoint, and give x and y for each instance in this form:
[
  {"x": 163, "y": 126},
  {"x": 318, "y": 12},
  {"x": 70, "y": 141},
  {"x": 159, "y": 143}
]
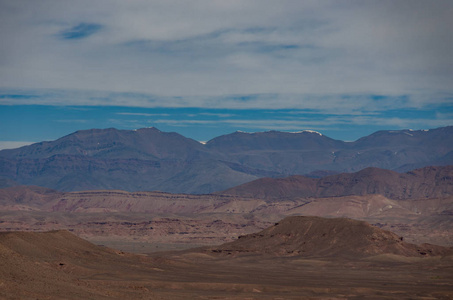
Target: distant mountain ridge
[
  {"x": 272, "y": 140},
  {"x": 420, "y": 184},
  {"x": 417, "y": 205},
  {"x": 428, "y": 182},
  {"x": 149, "y": 159},
  {"x": 145, "y": 143}
]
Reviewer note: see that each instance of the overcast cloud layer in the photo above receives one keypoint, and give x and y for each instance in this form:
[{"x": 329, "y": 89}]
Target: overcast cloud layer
[{"x": 343, "y": 57}]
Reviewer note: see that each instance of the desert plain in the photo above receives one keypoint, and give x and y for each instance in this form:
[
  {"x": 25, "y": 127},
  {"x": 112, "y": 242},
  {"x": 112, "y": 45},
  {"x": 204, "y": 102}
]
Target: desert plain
[
  {"x": 378, "y": 238},
  {"x": 59, "y": 265}
]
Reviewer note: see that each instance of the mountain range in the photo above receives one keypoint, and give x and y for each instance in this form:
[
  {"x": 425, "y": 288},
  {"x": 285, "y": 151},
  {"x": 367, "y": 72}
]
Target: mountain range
[
  {"x": 424, "y": 183},
  {"x": 419, "y": 185},
  {"x": 417, "y": 205},
  {"x": 149, "y": 159}
]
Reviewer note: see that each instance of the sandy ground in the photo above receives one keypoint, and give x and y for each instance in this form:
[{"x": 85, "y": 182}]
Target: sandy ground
[{"x": 71, "y": 268}]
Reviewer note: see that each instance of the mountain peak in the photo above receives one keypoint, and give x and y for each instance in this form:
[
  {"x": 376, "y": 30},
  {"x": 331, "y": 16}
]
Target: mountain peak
[
  {"x": 149, "y": 143},
  {"x": 272, "y": 141}
]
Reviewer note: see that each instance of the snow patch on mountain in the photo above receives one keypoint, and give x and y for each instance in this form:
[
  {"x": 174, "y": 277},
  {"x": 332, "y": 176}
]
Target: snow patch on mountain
[{"x": 308, "y": 131}]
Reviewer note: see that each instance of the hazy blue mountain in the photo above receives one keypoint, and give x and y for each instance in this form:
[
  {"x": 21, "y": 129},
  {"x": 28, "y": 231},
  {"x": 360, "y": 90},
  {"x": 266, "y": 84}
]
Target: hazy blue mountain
[
  {"x": 149, "y": 159},
  {"x": 145, "y": 143}
]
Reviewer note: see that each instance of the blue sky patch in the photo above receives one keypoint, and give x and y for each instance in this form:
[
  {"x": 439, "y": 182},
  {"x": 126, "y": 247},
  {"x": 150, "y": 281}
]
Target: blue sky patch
[
  {"x": 17, "y": 96},
  {"x": 36, "y": 123}
]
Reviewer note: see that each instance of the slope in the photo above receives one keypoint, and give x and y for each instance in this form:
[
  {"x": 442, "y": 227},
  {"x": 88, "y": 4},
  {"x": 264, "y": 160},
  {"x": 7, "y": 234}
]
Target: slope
[
  {"x": 58, "y": 264},
  {"x": 321, "y": 237},
  {"x": 428, "y": 182}
]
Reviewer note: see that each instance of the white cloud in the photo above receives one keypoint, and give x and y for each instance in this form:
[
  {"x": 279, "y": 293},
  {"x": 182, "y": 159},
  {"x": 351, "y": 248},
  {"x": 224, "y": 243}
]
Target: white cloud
[
  {"x": 205, "y": 51},
  {"x": 142, "y": 114},
  {"x": 13, "y": 144},
  {"x": 328, "y": 122},
  {"x": 338, "y": 104}
]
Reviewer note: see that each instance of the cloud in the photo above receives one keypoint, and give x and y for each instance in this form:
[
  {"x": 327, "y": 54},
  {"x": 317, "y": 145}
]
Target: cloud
[
  {"x": 338, "y": 104},
  {"x": 80, "y": 31},
  {"x": 142, "y": 114},
  {"x": 212, "y": 48},
  {"x": 214, "y": 66},
  {"x": 321, "y": 122},
  {"x": 13, "y": 144}
]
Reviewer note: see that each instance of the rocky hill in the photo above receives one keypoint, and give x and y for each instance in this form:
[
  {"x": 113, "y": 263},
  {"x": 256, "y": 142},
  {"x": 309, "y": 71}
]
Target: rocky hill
[
  {"x": 428, "y": 182},
  {"x": 417, "y": 205},
  {"x": 149, "y": 159},
  {"x": 321, "y": 237},
  {"x": 58, "y": 264}
]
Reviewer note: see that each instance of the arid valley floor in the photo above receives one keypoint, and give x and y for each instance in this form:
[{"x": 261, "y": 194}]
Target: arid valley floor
[
  {"x": 289, "y": 238},
  {"x": 59, "y": 265}
]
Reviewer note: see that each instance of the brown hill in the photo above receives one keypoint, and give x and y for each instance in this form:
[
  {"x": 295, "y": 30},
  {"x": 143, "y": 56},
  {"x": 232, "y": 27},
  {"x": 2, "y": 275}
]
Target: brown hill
[
  {"x": 55, "y": 265},
  {"x": 428, "y": 182},
  {"x": 27, "y": 197},
  {"x": 322, "y": 237},
  {"x": 52, "y": 245}
]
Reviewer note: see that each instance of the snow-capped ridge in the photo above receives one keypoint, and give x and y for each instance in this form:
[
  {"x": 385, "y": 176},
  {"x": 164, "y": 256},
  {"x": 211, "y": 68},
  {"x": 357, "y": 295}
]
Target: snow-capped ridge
[
  {"x": 240, "y": 131},
  {"x": 308, "y": 131},
  {"x": 152, "y": 127}
]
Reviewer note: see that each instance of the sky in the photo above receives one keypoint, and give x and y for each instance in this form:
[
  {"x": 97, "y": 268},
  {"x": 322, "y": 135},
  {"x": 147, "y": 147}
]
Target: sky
[{"x": 204, "y": 68}]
